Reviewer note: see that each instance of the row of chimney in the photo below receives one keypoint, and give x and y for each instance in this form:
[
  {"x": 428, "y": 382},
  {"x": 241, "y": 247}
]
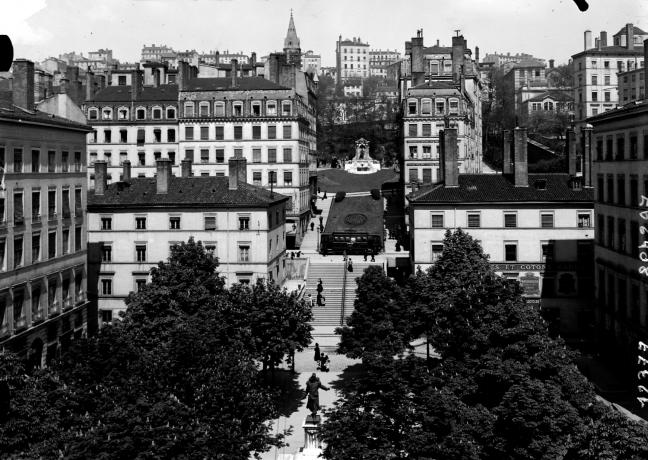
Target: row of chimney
[
  {"x": 601, "y": 41},
  {"x": 414, "y": 48},
  {"x": 237, "y": 173}
]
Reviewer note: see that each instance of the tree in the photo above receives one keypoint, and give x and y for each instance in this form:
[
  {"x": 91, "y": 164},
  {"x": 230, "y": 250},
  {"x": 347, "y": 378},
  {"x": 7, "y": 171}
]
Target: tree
[{"x": 561, "y": 76}]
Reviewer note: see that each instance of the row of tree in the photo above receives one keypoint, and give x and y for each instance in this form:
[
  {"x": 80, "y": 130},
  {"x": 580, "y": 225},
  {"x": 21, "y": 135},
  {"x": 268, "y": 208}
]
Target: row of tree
[
  {"x": 178, "y": 377},
  {"x": 498, "y": 387}
]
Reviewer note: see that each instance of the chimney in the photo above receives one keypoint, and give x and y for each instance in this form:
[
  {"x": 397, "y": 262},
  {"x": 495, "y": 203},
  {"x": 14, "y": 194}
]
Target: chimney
[
  {"x": 477, "y": 54},
  {"x": 234, "y": 71},
  {"x": 237, "y": 171},
  {"x": 217, "y": 57},
  {"x": 253, "y": 59},
  {"x": 597, "y": 44},
  {"x": 551, "y": 63},
  {"x": 183, "y": 75},
  {"x": 448, "y": 158},
  {"x": 89, "y": 86},
  {"x": 507, "y": 162},
  {"x": 101, "y": 177},
  {"x": 586, "y": 140},
  {"x": 588, "y": 39},
  {"x": 126, "y": 171},
  {"x": 521, "y": 166},
  {"x": 570, "y": 138},
  {"x": 273, "y": 68},
  {"x": 418, "y": 60},
  {"x": 64, "y": 84},
  {"x": 603, "y": 39},
  {"x": 163, "y": 178},
  {"x": 629, "y": 36},
  {"x": 23, "y": 84},
  {"x": 102, "y": 81},
  {"x": 136, "y": 85},
  {"x": 458, "y": 45},
  {"x": 186, "y": 167},
  {"x": 156, "y": 77}
]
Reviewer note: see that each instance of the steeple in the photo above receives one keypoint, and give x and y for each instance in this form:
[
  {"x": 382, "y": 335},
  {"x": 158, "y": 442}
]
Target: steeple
[{"x": 292, "y": 49}]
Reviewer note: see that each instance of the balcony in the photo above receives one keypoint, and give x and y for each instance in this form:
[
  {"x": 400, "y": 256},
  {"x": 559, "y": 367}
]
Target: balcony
[
  {"x": 54, "y": 308},
  {"x": 80, "y": 297},
  {"x": 67, "y": 303},
  {"x": 4, "y": 330},
  {"x": 77, "y": 167},
  {"x": 20, "y": 323},
  {"x": 38, "y": 316}
]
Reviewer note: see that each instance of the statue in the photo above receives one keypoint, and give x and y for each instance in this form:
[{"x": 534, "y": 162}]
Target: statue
[
  {"x": 312, "y": 391},
  {"x": 362, "y": 163}
]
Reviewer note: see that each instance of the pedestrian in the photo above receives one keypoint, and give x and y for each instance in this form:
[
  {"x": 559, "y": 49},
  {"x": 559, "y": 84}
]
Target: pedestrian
[
  {"x": 324, "y": 360},
  {"x": 324, "y": 195},
  {"x": 312, "y": 226},
  {"x": 364, "y": 253},
  {"x": 373, "y": 255},
  {"x": 321, "y": 219},
  {"x": 320, "y": 301},
  {"x": 344, "y": 255},
  {"x": 298, "y": 253},
  {"x": 312, "y": 391},
  {"x": 350, "y": 265},
  {"x": 321, "y": 228},
  {"x": 309, "y": 300},
  {"x": 292, "y": 255},
  {"x": 317, "y": 352},
  {"x": 320, "y": 288},
  {"x": 319, "y": 191}
]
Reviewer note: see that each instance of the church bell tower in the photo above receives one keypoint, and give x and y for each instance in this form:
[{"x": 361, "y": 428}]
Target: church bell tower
[{"x": 292, "y": 49}]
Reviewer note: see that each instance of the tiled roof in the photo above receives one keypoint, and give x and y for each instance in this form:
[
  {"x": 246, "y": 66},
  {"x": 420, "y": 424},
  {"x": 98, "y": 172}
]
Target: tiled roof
[
  {"x": 225, "y": 83},
  {"x": 149, "y": 93},
  {"x": 197, "y": 191},
  {"x": 437, "y": 50},
  {"x": 629, "y": 109},
  {"x": 497, "y": 188},
  {"x": 526, "y": 63},
  {"x": 612, "y": 50},
  {"x": 637, "y": 31},
  {"x": 15, "y": 114},
  {"x": 436, "y": 85},
  {"x": 553, "y": 94}
]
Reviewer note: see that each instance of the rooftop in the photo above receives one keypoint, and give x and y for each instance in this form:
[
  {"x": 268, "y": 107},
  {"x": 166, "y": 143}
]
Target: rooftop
[
  {"x": 149, "y": 93},
  {"x": 192, "y": 191},
  {"x": 612, "y": 50},
  {"x": 636, "y": 31},
  {"x": 225, "y": 83},
  {"x": 527, "y": 63},
  {"x": 556, "y": 95},
  {"x": 12, "y": 113},
  {"x": 498, "y": 188}
]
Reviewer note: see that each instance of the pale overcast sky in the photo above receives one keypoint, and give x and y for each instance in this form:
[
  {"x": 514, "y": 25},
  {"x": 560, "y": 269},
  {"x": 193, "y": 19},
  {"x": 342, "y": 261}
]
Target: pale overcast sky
[{"x": 545, "y": 28}]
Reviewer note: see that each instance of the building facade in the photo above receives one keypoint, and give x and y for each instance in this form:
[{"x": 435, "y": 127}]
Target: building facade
[
  {"x": 596, "y": 70},
  {"x": 631, "y": 85},
  {"x": 537, "y": 229},
  {"x": 43, "y": 271},
  {"x": 311, "y": 62},
  {"x": 352, "y": 58},
  {"x": 380, "y": 60},
  {"x": 134, "y": 223},
  {"x": 620, "y": 143},
  {"x": 156, "y": 52}
]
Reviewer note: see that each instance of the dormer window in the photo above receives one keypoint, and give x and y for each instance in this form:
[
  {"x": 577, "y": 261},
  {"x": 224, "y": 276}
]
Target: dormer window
[
  {"x": 106, "y": 114},
  {"x": 271, "y": 108},
  {"x": 157, "y": 113},
  {"x": 426, "y": 107},
  {"x": 256, "y": 108},
  {"x": 122, "y": 113},
  {"x": 171, "y": 113},
  {"x": 219, "y": 109},
  {"x": 453, "y": 106},
  {"x": 140, "y": 114},
  {"x": 237, "y": 109},
  {"x": 204, "y": 109},
  {"x": 93, "y": 114},
  {"x": 189, "y": 109},
  {"x": 286, "y": 108}
]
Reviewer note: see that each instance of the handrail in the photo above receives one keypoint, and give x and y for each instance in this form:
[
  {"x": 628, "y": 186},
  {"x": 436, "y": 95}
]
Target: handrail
[{"x": 343, "y": 292}]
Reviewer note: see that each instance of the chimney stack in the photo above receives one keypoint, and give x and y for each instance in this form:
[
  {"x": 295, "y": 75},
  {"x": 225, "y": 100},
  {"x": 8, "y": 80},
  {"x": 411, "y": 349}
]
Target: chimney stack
[
  {"x": 64, "y": 85},
  {"x": 217, "y": 57},
  {"x": 234, "y": 71},
  {"x": 477, "y": 54},
  {"x": 23, "y": 84},
  {"x": 101, "y": 177},
  {"x": 418, "y": 60},
  {"x": 587, "y": 155},
  {"x": 603, "y": 39},
  {"x": 156, "y": 77},
  {"x": 126, "y": 171},
  {"x": 507, "y": 163},
  {"x": 551, "y": 63},
  {"x": 186, "y": 167},
  {"x": 629, "y": 36},
  {"x": 521, "y": 166},
  {"x": 253, "y": 59},
  {"x": 237, "y": 171},
  {"x": 136, "y": 85},
  {"x": 588, "y": 39},
  {"x": 458, "y": 50},
  {"x": 597, "y": 44},
  {"x": 448, "y": 158},
  {"x": 183, "y": 75},
  {"x": 570, "y": 138},
  {"x": 90, "y": 89},
  {"x": 163, "y": 178}
]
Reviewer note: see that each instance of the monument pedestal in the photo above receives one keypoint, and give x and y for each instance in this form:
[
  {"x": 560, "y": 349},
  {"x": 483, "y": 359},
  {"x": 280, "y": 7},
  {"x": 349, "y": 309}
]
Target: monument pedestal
[{"x": 312, "y": 446}]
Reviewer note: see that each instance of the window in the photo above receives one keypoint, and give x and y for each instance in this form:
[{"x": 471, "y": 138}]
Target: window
[
  {"x": 157, "y": 156},
  {"x": 453, "y": 106},
  {"x": 106, "y": 113},
  {"x": 546, "y": 220},
  {"x": 219, "y": 109},
  {"x": 220, "y": 155},
  {"x": 256, "y": 155},
  {"x": 287, "y": 155},
  {"x": 66, "y": 241},
  {"x": 287, "y": 178},
  {"x": 140, "y": 252},
  {"x": 219, "y": 133},
  {"x": 440, "y": 107},
  {"x": 634, "y": 192},
  {"x": 210, "y": 223},
  {"x": 413, "y": 172},
  {"x": 272, "y": 155},
  {"x": 174, "y": 222},
  {"x": 3, "y": 244},
  {"x": 256, "y": 178},
  {"x": 584, "y": 219},
  {"x": 412, "y": 129},
  {"x": 427, "y": 130},
  {"x": 594, "y": 96},
  {"x": 189, "y": 109},
  {"x": 412, "y": 108},
  {"x": 286, "y": 108},
  {"x": 51, "y": 204},
  {"x": 77, "y": 239},
  {"x": 106, "y": 223},
  {"x": 474, "y": 220},
  {"x": 437, "y": 250},
  {"x": 287, "y": 131},
  {"x": 204, "y": 155},
  {"x": 140, "y": 283},
  {"x": 621, "y": 246},
  {"x": 256, "y": 132},
  {"x": 211, "y": 248},
  {"x": 93, "y": 114},
  {"x": 17, "y": 160},
  {"x": 256, "y": 109},
  {"x": 271, "y": 108},
  {"x": 140, "y": 223},
  {"x": 141, "y": 137},
  {"x": 36, "y": 247},
  {"x": 19, "y": 216},
  {"x": 510, "y": 220},
  {"x": 51, "y": 161},
  {"x": 35, "y": 161},
  {"x": 510, "y": 251},
  {"x": 18, "y": 251},
  {"x": 237, "y": 109},
  {"x": 204, "y": 109},
  {"x": 244, "y": 253},
  {"x": 35, "y": 205},
  {"x": 189, "y": 133},
  {"x": 594, "y": 79},
  {"x": 170, "y": 112},
  {"x": 244, "y": 222},
  {"x": 106, "y": 252},
  {"x": 437, "y": 220},
  {"x": 204, "y": 133},
  {"x": 238, "y": 132},
  {"x": 272, "y": 132},
  {"x": 427, "y": 175},
  {"x": 621, "y": 190},
  {"x": 66, "y": 204},
  {"x": 106, "y": 288},
  {"x": 606, "y": 95}
]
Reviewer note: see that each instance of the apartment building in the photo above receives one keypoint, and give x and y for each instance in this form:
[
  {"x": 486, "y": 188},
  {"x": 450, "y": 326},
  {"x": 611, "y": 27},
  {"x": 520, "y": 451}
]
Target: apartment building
[
  {"x": 380, "y": 60},
  {"x": 43, "y": 271},
  {"x": 352, "y": 59},
  {"x": 134, "y": 223}
]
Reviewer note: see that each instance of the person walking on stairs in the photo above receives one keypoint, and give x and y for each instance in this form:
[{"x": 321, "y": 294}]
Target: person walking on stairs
[
  {"x": 350, "y": 265},
  {"x": 317, "y": 353}
]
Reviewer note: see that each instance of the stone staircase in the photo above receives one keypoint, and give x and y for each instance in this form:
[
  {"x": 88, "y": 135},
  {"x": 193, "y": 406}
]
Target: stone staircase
[
  {"x": 332, "y": 275},
  {"x": 351, "y": 285}
]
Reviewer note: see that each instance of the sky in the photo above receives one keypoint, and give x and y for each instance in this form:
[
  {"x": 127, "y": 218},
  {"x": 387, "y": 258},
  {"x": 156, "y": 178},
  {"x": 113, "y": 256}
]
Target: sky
[{"x": 548, "y": 29}]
